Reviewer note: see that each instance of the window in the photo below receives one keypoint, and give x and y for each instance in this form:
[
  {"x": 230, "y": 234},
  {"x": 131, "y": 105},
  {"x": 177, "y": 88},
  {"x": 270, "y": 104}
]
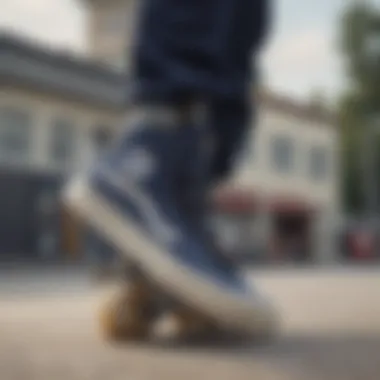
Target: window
[
  {"x": 318, "y": 163},
  {"x": 15, "y": 135},
  {"x": 62, "y": 148},
  {"x": 282, "y": 154}
]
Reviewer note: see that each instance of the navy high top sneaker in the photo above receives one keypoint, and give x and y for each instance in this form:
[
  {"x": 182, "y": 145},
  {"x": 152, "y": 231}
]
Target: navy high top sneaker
[{"x": 129, "y": 198}]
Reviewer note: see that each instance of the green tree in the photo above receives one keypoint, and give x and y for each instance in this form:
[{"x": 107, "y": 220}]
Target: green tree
[{"x": 360, "y": 43}]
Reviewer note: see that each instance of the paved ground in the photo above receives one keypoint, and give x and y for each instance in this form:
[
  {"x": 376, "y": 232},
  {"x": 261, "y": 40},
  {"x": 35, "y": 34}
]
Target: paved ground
[{"x": 331, "y": 331}]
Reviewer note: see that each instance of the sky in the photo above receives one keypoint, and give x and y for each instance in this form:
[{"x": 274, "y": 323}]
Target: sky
[{"x": 301, "y": 55}]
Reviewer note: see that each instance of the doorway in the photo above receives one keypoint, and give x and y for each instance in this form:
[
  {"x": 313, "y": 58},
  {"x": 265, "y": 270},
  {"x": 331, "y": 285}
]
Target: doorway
[{"x": 292, "y": 236}]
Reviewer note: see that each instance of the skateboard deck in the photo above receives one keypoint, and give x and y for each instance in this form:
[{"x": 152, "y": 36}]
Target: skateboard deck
[{"x": 132, "y": 311}]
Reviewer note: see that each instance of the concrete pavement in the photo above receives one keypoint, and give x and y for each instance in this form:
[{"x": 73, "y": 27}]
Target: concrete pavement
[{"x": 331, "y": 330}]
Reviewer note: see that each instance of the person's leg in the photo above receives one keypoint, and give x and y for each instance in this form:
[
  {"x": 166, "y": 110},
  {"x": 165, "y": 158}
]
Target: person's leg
[
  {"x": 130, "y": 195},
  {"x": 197, "y": 48},
  {"x": 230, "y": 121}
]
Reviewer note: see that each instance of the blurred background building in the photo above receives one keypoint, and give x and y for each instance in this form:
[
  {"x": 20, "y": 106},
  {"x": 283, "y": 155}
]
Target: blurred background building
[{"x": 57, "y": 112}]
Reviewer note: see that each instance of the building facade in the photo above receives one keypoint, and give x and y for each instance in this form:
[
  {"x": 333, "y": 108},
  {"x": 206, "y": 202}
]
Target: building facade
[
  {"x": 54, "y": 113},
  {"x": 57, "y": 112},
  {"x": 288, "y": 182}
]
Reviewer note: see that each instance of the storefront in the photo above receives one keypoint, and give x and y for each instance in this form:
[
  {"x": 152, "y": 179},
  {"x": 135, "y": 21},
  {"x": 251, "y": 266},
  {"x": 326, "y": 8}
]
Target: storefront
[{"x": 29, "y": 209}]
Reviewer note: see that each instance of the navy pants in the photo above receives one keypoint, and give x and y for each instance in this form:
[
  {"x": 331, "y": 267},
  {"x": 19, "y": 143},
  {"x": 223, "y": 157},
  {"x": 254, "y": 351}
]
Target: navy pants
[{"x": 202, "y": 49}]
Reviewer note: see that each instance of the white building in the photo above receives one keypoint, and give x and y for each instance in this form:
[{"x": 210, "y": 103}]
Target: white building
[
  {"x": 55, "y": 110},
  {"x": 288, "y": 179}
]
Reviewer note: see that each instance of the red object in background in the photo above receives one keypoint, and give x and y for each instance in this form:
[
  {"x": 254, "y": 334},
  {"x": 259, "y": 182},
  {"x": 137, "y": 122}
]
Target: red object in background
[
  {"x": 235, "y": 201},
  {"x": 362, "y": 245}
]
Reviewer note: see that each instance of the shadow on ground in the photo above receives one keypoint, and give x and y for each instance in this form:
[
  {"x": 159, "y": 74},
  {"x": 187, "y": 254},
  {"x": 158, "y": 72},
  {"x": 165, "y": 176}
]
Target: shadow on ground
[{"x": 306, "y": 357}]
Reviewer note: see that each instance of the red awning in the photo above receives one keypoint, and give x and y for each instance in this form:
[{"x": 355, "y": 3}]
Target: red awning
[
  {"x": 235, "y": 201},
  {"x": 290, "y": 205},
  {"x": 247, "y": 201}
]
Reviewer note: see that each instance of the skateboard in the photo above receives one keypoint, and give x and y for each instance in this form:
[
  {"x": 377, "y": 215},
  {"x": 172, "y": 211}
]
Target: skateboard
[{"x": 134, "y": 308}]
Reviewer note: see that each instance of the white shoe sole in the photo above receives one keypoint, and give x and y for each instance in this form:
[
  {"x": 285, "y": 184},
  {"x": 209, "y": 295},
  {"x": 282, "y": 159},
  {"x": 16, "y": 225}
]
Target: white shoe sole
[{"x": 240, "y": 313}]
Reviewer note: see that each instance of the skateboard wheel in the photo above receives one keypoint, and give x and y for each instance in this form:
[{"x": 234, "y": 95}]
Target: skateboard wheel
[{"x": 127, "y": 313}]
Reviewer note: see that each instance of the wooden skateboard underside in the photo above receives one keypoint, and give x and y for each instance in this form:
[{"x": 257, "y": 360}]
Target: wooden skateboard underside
[{"x": 131, "y": 313}]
